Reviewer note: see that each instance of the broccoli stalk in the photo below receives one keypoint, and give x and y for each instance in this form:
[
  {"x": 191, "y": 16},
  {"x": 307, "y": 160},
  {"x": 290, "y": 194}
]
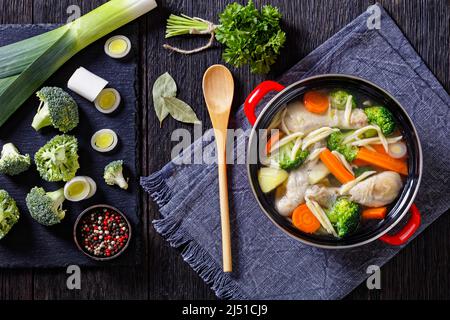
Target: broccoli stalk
[
  {"x": 345, "y": 216},
  {"x": 57, "y": 108},
  {"x": 46, "y": 207},
  {"x": 42, "y": 118},
  {"x": 12, "y": 162},
  {"x": 9, "y": 213},
  {"x": 113, "y": 174},
  {"x": 58, "y": 199}
]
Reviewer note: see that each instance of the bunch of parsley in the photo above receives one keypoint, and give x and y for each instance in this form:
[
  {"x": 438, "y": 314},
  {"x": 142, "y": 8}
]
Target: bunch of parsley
[{"x": 251, "y": 36}]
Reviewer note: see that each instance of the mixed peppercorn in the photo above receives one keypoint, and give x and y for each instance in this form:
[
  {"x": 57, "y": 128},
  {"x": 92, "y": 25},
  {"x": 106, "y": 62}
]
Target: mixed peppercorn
[{"x": 103, "y": 233}]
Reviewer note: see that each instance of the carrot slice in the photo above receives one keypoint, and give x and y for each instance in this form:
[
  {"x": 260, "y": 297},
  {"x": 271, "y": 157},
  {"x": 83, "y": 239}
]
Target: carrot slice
[
  {"x": 382, "y": 161},
  {"x": 316, "y": 102},
  {"x": 272, "y": 140},
  {"x": 374, "y": 213},
  {"x": 304, "y": 220},
  {"x": 336, "y": 167},
  {"x": 360, "y": 163},
  {"x": 379, "y": 148}
]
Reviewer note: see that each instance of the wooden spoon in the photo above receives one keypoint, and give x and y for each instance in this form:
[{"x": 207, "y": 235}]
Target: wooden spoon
[{"x": 218, "y": 90}]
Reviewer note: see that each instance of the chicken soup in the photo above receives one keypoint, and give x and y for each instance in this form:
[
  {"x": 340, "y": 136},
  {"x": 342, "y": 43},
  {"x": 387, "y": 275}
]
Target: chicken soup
[{"x": 334, "y": 161}]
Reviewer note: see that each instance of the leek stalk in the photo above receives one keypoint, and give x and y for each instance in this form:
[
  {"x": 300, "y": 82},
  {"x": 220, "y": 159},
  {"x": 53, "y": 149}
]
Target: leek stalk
[{"x": 27, "y": 64}]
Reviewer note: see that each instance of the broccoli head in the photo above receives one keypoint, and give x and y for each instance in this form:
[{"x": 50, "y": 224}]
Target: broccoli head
[
  {"x": 285, "y": 159},
  {"x": 9, "y": 213},
  {"x": 57, "y": 109},
  {"x": 338, "y": 99},
  {"x": 334, "y": 142},
  {"x": 381, "y": 117},
  {"x": 12, "y": 162},
  {"x": 345, "y": 216},
  {"x": 360, "y": 170},
  {"x": 46, "y": 207},
  {"x": 114, "y": 174},
  {"x": 57, "y": 160}
]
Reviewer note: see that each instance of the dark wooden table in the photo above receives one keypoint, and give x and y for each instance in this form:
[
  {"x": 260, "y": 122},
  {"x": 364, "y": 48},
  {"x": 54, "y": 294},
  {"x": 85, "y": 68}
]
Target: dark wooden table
[{"x": 420, "y": 271}]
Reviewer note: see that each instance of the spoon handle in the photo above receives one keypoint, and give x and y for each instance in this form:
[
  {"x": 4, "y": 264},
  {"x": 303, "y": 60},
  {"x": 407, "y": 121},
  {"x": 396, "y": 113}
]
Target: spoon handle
[{"x": 224, "y": 206}]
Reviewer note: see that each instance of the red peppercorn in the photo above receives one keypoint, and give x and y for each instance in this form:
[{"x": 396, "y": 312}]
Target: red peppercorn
[{"x": 103, "y": 233}]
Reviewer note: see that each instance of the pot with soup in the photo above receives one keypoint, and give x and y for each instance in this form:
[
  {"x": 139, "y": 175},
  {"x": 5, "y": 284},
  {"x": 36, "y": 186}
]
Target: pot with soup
[{"x": 338, "y": 161}]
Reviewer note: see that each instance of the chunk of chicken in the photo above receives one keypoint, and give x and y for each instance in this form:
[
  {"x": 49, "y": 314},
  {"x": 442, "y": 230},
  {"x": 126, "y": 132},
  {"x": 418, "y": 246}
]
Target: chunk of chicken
[
  {"x": 297, "y": 118},
  {"x": 292, "y": 194},
  {"x": 378, "y": 190},
  {"x": 325, "y": 196}
]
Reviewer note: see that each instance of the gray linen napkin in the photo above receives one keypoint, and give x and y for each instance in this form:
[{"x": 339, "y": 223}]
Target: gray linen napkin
[{"x": 267, "y": 263}]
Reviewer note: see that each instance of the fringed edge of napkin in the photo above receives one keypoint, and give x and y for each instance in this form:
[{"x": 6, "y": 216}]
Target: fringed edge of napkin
[
  {"x": 171, "y": 228},
  {"x": 156, "y": 186}
]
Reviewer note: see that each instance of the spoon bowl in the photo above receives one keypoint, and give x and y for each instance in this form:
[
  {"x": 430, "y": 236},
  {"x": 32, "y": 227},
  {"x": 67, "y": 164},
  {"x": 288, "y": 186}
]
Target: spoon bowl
[{"x": 218, "y": 89}]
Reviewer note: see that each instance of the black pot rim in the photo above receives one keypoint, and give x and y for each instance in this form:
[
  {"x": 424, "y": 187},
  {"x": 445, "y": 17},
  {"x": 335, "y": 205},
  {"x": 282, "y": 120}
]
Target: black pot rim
[{"x": 402, "y": 204}]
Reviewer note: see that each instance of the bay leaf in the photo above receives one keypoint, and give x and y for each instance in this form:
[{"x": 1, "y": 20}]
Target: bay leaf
[
  {"x": 164, "y": 86},
  {"x": 180, "y": 110}
]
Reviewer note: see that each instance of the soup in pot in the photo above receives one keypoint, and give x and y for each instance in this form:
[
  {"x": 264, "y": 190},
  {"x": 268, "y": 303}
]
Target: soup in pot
[{"x": 334, "y": 161}]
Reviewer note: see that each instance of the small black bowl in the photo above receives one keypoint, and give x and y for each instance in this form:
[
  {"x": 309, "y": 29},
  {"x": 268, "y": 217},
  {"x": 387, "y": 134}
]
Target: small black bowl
[{"x": 76, "y": 231}]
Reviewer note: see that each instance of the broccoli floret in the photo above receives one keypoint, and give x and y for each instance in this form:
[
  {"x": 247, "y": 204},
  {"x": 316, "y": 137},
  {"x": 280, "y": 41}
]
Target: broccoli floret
[
  {"x": 338, "y": 99},
  {"x": 114, "y": 174},
  {"x": 334, "y": 142},
  {"x": 359, "y": 171},
  {"x": 284, "y": 159},
  {"x": 12, "y": 162},
  {"x": 46, "y": 207},
  {"x": 57, "y": 160},
  {"x": 381, "y": 117},
  {"x": 57, "y": 108},
  {"x": 345, "y": 216},
  {"x": 9, "y": 213}
]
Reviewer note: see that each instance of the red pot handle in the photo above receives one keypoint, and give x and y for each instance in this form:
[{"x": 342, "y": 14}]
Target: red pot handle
[
  {"x": 403, "y": 235},
  {"x": 256, "y": 96}
]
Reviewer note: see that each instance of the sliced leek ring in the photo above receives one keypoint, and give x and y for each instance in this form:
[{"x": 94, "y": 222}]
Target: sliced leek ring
[
  {"x": 108, "y": 148},
  {"x": 121, "y": 54},
  {"x": 113, "y": 107}
]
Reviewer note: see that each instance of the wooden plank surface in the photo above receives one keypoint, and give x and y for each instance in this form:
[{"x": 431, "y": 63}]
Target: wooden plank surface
[{"x": 421, "y": 270}]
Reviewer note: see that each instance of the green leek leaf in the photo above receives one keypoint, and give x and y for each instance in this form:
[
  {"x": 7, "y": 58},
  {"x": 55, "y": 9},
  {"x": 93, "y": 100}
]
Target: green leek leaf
[
  {"x": 26, "y": 65},
  {"x": 16, "y": 57}
]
